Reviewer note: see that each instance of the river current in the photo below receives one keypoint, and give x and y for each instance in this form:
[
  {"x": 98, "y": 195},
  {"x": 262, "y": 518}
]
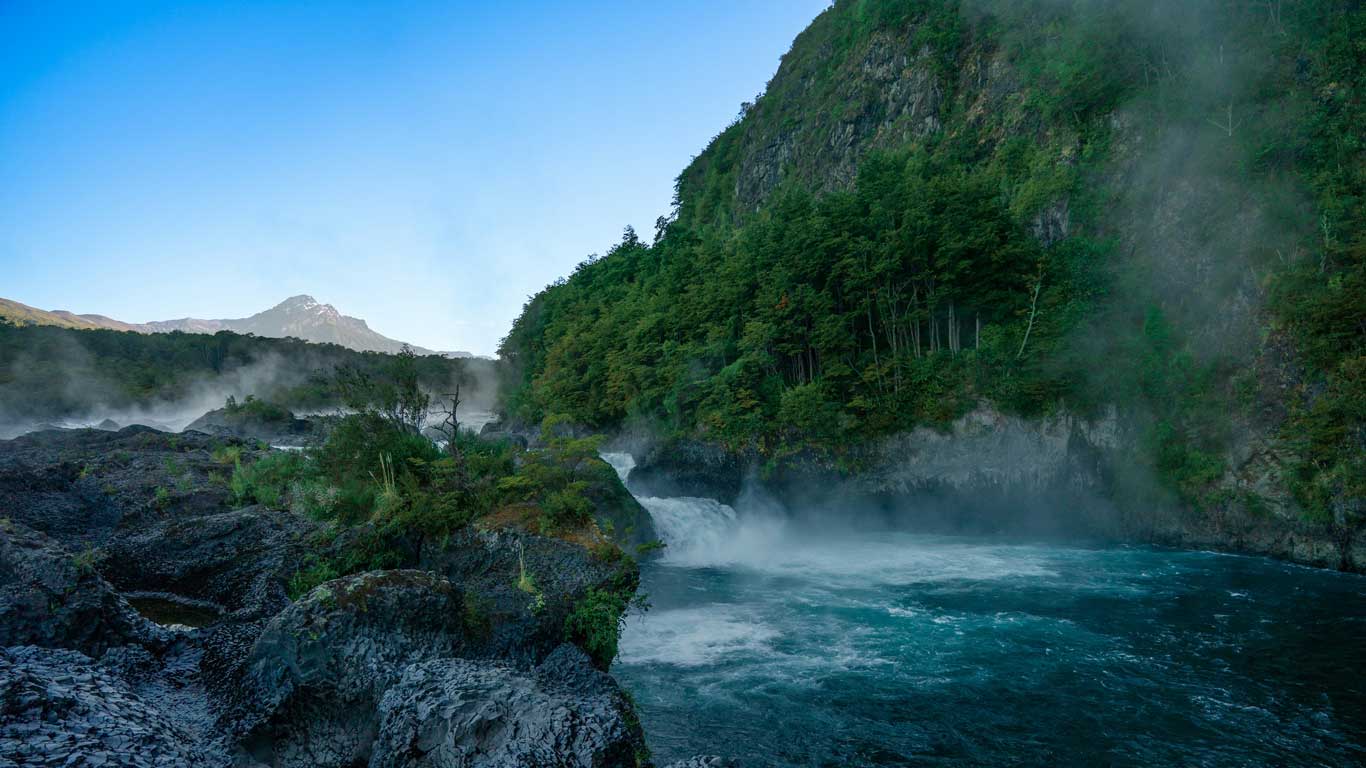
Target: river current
[{"x": 795, "y": 644}]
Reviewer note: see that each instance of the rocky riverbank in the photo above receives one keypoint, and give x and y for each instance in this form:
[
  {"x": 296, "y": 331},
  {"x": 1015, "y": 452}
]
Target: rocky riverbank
[
  {"x": 145, "y": 620},
  {"x": 994, "y": 473}
]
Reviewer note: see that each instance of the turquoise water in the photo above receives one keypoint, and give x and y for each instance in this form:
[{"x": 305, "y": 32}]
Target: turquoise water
[{"x": 785, "y": 646}]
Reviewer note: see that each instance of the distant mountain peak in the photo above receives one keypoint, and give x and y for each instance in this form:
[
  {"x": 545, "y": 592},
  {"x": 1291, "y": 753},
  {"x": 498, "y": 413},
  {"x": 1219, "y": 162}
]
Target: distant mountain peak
[
  {"x": 301, "y": 316},
  {"x": 303, "y": 304}
]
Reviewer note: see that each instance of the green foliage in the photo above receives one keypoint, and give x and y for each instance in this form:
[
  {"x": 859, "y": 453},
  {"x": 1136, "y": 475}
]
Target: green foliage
[
  {"x": 253, "y": 409},
  {"x": 596, "y": 623},
  {"x": 815, "y": 314},
  {"x": 127, "y": 369},
  {"x": 526, "y": 583},
  {"x": 396, "y": 396},
  {"x": 227, "y": 455},
  {"x": 823, "y": 321},
  {"x": 84, "y": 561},
  {"x": 394, "y": 492},
  {"x": 268, "y": 479},
  {"x": 1321, "y": 298},
  {"x": 305, "y": 579}
]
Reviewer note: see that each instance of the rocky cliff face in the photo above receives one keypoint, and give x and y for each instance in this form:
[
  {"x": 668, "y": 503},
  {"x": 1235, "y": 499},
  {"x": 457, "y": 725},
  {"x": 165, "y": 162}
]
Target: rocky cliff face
[
  {"x": 994, "y": 473},
  {"x": 449, "y": 664},
  {"x": 840, "y": 93}
]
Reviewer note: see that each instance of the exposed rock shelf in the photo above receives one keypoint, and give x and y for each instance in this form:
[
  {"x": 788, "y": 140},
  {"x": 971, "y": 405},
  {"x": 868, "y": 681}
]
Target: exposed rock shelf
[{"x": 448, "y": 664}]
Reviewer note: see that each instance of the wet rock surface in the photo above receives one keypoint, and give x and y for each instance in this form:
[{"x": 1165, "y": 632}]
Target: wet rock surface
[
  {"x": 454, "y": 663},
  {"x": 991, "y": 473}
]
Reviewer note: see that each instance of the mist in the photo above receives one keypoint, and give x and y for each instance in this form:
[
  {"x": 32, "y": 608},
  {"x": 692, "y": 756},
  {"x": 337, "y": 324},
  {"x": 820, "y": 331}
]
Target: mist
[{"x": 59, "y": 378}]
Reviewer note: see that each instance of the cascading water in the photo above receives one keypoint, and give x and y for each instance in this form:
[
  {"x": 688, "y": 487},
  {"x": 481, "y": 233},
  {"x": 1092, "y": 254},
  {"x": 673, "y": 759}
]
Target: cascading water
[
  {"x": 694, "y": 531},
  {"x": 795, "y": 644}
]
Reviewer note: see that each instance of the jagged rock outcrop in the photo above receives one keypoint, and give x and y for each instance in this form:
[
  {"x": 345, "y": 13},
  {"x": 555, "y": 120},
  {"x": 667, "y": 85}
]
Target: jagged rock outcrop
[
  {"x": 61, "y": 708},
  {"x": 50, "y": 598},
  {"x": 317, "y": 672},
  {"x": 456, "y": 713},
  {"x": 386, "y": 668},
  {"x": 688, "y": 468},
  {"x": 524, "y": 587},
  {"x": 285, "y": 430},
  {"x": 378, "y": 667},
  {"x": 238, "y": 560},
  {"x": 81, "y": 486}
]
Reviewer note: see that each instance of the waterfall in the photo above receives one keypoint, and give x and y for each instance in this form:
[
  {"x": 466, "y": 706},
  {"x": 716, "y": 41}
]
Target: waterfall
[
  {"x": 695, "y": 531},
  {"x": 698, "y": 532},
  {"x": 623, "y": 463}
]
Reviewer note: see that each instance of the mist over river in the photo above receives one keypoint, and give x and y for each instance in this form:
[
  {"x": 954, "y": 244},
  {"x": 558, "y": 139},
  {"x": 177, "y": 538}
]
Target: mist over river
[{"x": 787, "y": 644}]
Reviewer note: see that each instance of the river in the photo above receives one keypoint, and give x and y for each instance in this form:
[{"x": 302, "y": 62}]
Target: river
[{"x": 786, "y": 644}]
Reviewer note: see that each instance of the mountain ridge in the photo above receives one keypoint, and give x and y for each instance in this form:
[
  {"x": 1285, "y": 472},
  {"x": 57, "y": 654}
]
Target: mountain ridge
[{"x": 300, "y": 316}]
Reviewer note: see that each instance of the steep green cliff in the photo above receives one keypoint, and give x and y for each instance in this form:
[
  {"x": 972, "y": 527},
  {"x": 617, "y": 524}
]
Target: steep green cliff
[{"x": 1044, "y": 205}]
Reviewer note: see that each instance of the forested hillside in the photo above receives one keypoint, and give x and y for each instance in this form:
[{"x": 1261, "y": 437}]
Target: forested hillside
[
  {"x": 51, "y": 373},
  {"x": 1040, "y": 204}
]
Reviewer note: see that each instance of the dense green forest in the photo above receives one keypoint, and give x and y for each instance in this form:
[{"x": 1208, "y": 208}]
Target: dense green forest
[
  {"x": 50, "y": 373},
  {"x": 1036, "y": 204}
]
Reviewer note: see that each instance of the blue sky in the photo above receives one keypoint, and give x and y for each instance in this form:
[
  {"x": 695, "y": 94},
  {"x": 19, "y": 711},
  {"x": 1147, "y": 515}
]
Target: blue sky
[{"x": 424, "y": 165}]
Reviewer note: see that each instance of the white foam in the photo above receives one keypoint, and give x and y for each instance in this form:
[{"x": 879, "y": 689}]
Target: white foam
[
  {"x": 623, "y": 463},
  {"x": 693, "y": 637},
  {"x": 706, "y": 533}
]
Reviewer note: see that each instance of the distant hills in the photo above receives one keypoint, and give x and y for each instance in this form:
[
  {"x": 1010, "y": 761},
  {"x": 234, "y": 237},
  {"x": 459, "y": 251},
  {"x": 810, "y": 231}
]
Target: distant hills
[{"x": 301, "y": 317}]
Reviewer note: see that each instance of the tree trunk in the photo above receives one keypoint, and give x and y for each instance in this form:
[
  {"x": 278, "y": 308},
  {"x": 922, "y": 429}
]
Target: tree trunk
[{"x": 1033, "y": 312}]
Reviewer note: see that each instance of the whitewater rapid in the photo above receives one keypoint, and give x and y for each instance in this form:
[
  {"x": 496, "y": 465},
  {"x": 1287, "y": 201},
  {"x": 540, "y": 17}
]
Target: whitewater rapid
[{"x": 797, "y": 644}]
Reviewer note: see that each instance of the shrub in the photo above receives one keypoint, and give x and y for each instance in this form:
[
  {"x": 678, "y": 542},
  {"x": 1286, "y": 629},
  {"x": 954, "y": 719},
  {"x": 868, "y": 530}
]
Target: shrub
[
  {"x": 255, "y": 410},
  {"x": 596, "y": 623},
  {"x": 227, "y": 455},
  {"x": 567, "y": 508},
  {"x": 304, "y": 580},
  {"x": 266, "y": 480}
]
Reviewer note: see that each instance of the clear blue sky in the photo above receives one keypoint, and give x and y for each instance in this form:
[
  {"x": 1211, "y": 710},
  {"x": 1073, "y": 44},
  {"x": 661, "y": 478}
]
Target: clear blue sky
[{"x": 424, "y": 165}]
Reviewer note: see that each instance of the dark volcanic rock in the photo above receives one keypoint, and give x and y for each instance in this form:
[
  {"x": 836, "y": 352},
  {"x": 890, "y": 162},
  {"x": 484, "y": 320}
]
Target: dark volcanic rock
[
  {"x": 79, "y": 486},
  {"x": 51, "y": 599},
  {"x": 617, "y": 512},
  {"x": 61, "y": 708},
  {"x": 525, "y": 624},
  {"x": 455, "y": 713},
  {"x": 239, "y": 560},
  {"x": 386, "y": 668},
  {"x": 285, "y": 430},
  {"x": 689, "y": 468},
  {"x": 318, "y": 670},
  {"x": 370, "y": 667}
]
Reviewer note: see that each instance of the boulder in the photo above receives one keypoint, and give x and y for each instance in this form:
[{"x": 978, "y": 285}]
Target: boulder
[
  {"x": 524, "y": 587},
  {"x": 455, "y": 713},
  {"x": 316, "y": 674}
]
